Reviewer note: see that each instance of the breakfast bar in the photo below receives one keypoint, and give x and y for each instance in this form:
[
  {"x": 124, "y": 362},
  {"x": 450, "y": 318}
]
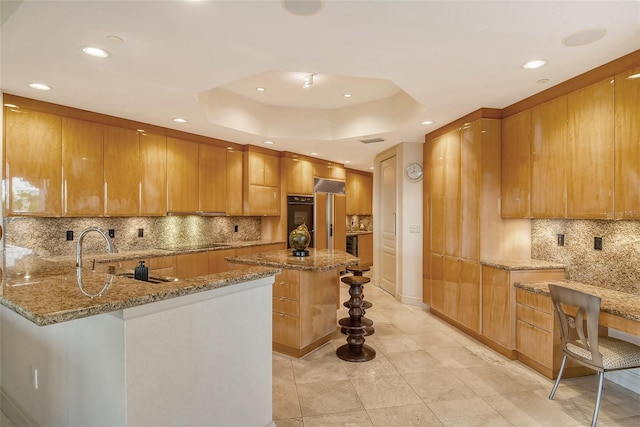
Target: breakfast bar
[{"x": 118, "y": 351}]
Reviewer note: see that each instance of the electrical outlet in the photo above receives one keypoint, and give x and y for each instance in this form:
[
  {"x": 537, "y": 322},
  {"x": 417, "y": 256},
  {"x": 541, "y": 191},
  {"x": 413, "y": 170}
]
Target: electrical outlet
[
  {"x": 140, "y": 232},
  {"x": 235, "y": 228},
  {"x": 112, "y": 233},
  {"x": 69, "y": 234},
  {"x": 597, "y": 243},
  {"x": 560, "y": 239}
]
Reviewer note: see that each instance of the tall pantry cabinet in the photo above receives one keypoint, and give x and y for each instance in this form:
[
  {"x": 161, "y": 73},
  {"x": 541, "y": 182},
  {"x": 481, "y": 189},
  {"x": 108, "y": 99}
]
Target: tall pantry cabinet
[{"x": 462, "y": 200}]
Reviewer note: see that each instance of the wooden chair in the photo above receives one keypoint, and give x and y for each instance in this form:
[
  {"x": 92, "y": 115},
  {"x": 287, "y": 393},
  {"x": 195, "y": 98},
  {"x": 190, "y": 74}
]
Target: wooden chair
[{"x": 602, "y": 354}]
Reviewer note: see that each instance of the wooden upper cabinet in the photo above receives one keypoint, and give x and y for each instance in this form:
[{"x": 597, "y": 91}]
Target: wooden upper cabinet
[
  {"x": 121, "y": 172},
  {"x": 590, "y": 151},
  {"x": 329, "y": 170},
  {"x": 359, "y": 187},
  {"x": 262, "y": 184},
  {"x": 153, "y": 175},
  {"x": 627, "y": 145},
  {"x": 470, "y": 189},
  {"x": 516, "y": 165},
  {"x": 437, "y": 146},
  {"x": 299, "y": 176},
  {"x": 82, "y": 168},
  {"x": 263, "y": 169},
  {"x": 182, "y": 176},
  {"x": 33, "y": 156},
  {"x": 235, "y": 192},
  {"x": 452, "y": 194},
  {"x": 213, "y": 178},
  {"x": 548, "y": 159}
]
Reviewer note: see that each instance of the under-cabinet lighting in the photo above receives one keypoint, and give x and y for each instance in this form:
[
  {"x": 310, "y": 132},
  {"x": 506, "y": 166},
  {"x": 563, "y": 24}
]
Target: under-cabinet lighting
[
  {"x": 634, "y": 76},
  {"x": 11, "y": 105}
]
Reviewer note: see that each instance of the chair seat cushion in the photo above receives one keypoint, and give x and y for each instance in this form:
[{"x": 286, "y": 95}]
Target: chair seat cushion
[{"x": 616, "y": 354}]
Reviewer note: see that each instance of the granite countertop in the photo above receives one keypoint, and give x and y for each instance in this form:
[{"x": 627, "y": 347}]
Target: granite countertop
[
  {"x": 47, "y": 292},
  {"x": 318, "y": 259},
  {"x": 621, "y": 304},
  {"x": 358, "y": 232},
  {"x": 522, "y": 264}
]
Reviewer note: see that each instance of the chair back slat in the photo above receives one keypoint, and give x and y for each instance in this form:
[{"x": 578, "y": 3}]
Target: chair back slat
[{"x": 570, "y": 326}]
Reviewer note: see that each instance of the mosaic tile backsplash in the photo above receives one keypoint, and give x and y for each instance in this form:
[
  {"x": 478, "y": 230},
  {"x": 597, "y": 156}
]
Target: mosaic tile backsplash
[
  {"x": 616, "y": 266},
  {"x": 46, "y": 237}
]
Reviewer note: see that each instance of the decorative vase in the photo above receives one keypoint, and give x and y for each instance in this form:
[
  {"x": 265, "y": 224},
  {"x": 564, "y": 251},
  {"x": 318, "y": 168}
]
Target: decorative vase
[{"x": 299, "y": 239}]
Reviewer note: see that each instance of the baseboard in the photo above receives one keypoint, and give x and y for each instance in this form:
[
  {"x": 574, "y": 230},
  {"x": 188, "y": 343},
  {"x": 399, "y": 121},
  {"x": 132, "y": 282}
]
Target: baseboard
[
  {"x": 629, "y": 379},
  {"x": 417, "y": 301},
  {"x": 14, "y": 412}
]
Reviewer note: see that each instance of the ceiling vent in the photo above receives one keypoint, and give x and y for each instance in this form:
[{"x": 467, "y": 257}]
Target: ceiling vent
[{"x": 371, "y": 140}]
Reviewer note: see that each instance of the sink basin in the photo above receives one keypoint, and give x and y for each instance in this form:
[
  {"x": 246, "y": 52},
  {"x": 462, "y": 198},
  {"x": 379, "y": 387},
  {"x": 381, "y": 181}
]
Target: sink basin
[{"x": 152, "y": 278}]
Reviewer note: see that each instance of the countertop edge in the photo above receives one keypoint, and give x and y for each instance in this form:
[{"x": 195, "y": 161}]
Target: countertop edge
[{"x": 531, "y": 264}]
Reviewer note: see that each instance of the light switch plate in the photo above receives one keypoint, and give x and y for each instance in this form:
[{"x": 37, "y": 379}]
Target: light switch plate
[{"x": 414, "y": 228}]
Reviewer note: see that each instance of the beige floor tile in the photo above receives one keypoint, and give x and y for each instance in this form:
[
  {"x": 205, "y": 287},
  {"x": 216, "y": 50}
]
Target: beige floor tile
[
  {"x": 490, "y": 380},
  {"x": 467, "y": 413},
  {"x": 530, "y": 409},
  {"x": 437, "y": 385},
  {"x": 378, "y": 367},
  {"x": 290, "y": 422},
  {"x": 456, "y": 358},
  {"x": 413, "y": 361},
  {"x": 283, "y": 370},
  {"x": 348, "y": 419},
  {"x": 325, "y": 368},
  {"x": 405, "y": 416},
  {"x": 391, "y": 343},
  {"x": 285, "y": 400},
  {"x": 328, "y": 397},
  {"x": 384, "y": 391},
  {"x": 435, "y": 340}
]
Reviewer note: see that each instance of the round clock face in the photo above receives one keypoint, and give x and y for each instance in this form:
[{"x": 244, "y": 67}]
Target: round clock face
[{"x": 414, "y": 172}]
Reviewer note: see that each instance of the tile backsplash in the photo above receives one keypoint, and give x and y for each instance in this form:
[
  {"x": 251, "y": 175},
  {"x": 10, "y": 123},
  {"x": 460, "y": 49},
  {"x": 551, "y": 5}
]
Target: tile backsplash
[
  {"x": 359, "y": 222},
  {"x": 616, "y": 266},
  {"x": 47, "y": 236}
]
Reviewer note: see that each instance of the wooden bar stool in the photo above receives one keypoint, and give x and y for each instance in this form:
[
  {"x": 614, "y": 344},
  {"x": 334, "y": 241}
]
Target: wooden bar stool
[
  {"x": 358, "y": 270},
  {"x": 355, "y": 350}
]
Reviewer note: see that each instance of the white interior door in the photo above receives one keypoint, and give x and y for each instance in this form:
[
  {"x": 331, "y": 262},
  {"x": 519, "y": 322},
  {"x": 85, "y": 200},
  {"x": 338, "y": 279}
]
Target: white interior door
[{"x": 388, "y": 223}]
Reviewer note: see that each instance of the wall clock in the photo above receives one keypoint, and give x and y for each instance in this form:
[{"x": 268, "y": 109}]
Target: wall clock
[{"x": 414, "y": 172}]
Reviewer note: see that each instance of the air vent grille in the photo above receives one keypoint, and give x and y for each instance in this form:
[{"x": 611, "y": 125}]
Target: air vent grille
[{"x": 371, "y": 140}]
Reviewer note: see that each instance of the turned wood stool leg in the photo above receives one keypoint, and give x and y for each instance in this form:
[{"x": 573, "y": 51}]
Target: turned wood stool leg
[
  {"x": 355, "y": 350},
  {"x": 357, "y": 270}
]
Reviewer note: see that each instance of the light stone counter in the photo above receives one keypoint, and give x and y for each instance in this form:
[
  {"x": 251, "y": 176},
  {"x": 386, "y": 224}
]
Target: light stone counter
[
  {"x": 318, "y": 259},
  {"x": 522, "y": 264},
  {"x": 620, "y": 304}
]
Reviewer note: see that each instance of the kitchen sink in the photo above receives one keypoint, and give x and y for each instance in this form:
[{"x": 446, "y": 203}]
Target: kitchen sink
[{"x": 152, "y": 278}]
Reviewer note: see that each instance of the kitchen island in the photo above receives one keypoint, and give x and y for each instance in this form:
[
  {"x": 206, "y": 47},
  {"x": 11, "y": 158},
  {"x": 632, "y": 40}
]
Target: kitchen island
[
  {"x": 305, "y": 296},
  {"x": 116, "y": 351}
]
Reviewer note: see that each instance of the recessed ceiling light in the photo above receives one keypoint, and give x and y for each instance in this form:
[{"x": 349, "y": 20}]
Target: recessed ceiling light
[
  {"x": 347, "y": 95},
  {"x": 536, "y": 63},
  {"x": 96, "y": 52},
  {"x": 115, "y": 39},
  {"x": 347, "y": 162},
  {"x": 634, "y": 76},
  {"x": 302, "y": 8},
  {"x": 308, "y": 81},
  {"x": 11, "y": 105},
  {"x": 370, "y": 167},
  {"x": 542, "y": 81},
  {"x": 427, "y": 122},
  {"x": 180, "y": 120},
  {"x": 260, "y": 89},
  {"x": 313, "y": 153},
  {"x": 39, "y": 86},
  {"x": 584, "y": 37},
  {"x": 268, "y": 142}
]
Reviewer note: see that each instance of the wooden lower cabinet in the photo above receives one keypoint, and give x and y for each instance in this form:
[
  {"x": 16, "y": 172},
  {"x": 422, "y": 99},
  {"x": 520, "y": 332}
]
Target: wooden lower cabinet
[
  {"x": 159, "y": 266},
  {"x": 365, "y": 249},
  {"x": 217, "y": 262},
  {"x": 304, "y": 310},
  {"x": 499, "y": 304},
  {"x": 538, "y": 336},
  {"x": 192, "y": 265}
]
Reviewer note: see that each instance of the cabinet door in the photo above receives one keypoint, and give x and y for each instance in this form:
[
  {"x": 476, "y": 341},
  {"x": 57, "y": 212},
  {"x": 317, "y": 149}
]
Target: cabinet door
[
  {"x": 365, "y": 249},
  {"x": 271, "y": 171},
  {"x": 352, "y": 185},
  {"x": 262, "y": 201},
  {"x": 496, "y": 306},
  {"x": 217, "y": 262},
  {"x": 213, "y": 179},
  {"x": 468, "y": 310},
  {"x": 437, "y": 282},
  {"x": 235, "y": 191},
  {"x": 437, "y": 194},
  {"x": 366, "y": 197},
  {"x": 470, "y": 190},
  {"x": 33, "y": 156},
  {"x": 82, "y": 168},
  {"x": 192, "y": 265},
  {"x": 452, "y": 194},
  {"x": 451, "y": 286},
  {"x": 627, "y": 148},
  {"x": 590, "y": 151},
  {"x": 255, "y": 168},
  {"x": 548, "y": 159},
  {"x": 339, "y": 223},
  {"x": 516, "y": 165},
  {"x": 121, "y": 172},
  {"x": 329, "y": 170},
  {"x": 320, "y": 215},
  {"x": 182, "y": 176},
  {"x": 299, "y": 176},
  {"x": 153, "y": 174}
]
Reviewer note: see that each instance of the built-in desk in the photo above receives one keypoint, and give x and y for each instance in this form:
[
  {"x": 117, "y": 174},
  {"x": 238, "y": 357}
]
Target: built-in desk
[{"x": 537, "y": 333}]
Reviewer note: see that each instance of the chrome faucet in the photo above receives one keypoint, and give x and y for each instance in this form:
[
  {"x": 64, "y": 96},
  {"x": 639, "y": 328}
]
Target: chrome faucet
[{"x": 110, "y": 246}]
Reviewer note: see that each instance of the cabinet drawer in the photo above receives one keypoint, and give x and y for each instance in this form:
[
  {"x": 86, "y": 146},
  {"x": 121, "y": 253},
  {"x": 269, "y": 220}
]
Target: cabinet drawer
[
  {"x": 286, "y": 290},
  {"x": 286, "y": 306},
  {"x": 535, "y": 343},
  {"x": 534, "y": 317},
  {"x": 531, "y": 299},
  {"x": 286, "y": 330}
]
